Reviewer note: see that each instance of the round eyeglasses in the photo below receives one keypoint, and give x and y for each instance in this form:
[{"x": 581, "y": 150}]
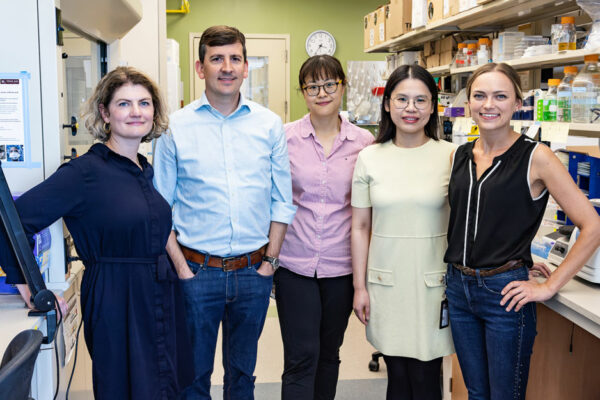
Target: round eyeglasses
[
  {"x": 328, "y": 87},
  {"x": 401, "y": 102}
]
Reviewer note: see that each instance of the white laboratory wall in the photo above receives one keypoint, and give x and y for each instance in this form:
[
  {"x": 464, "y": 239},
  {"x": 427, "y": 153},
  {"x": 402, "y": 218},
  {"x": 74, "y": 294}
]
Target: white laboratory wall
[
  {"x": 144, "y": 47},
  {"x": 174, "y": 84}
]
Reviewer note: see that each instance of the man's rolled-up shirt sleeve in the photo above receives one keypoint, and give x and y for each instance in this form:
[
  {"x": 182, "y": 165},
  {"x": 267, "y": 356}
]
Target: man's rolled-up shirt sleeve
[
  {"x": 282, "y": 206},
  {"x": 165, "y": 167}
]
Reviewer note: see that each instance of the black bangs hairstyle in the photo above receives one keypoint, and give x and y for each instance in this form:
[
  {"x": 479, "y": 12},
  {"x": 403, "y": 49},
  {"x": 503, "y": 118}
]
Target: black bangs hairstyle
[
  {"x": 387, "y": 128},
  {"x": 321, "y": 67}
]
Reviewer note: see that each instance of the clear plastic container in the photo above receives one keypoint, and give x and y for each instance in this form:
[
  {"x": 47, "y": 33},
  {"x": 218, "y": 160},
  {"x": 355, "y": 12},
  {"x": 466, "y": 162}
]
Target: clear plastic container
[
  {"x": 551, "y": 100},
  {"x": 522, "y": 49},
  {"x": 586, "y": 88},
  {"x": 507, "y": 41},
  {"x": 471, "y": 54},
  {"x": 555, "y": 34},
  {"x": 483, "y": 55},
  {"x": 568, "y": 36},
  {"x": 460, "y": 58},
  {"x": 565, "y": 94}
]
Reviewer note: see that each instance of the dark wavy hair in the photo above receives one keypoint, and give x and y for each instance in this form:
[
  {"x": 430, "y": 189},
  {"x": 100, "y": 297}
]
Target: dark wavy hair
[{"x": 387, "y": 128}]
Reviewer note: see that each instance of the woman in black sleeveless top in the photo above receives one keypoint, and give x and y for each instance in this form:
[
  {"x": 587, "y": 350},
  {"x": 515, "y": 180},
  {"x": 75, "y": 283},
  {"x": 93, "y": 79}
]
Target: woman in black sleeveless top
[{"x": 498, "y": 192}]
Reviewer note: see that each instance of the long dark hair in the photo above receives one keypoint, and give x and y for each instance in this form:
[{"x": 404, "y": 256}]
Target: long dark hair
[{"x": 387, "y": 128}]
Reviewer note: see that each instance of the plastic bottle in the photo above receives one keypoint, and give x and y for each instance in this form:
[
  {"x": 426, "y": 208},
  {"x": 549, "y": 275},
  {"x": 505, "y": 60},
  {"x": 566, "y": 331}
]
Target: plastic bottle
[
  {"x": 539, "y": 96},
  {"x": 564, "y": 95},
  {"x": 551, "y": 100},
  {"x": 483, "y": 55},
  {"x": 568, "y": 37},
  {"x": 460, "y": 59},
  {"x": 471, "y": 54},
  {"x": 488, "y": 43},
  {"x": 585, "y": 89}
]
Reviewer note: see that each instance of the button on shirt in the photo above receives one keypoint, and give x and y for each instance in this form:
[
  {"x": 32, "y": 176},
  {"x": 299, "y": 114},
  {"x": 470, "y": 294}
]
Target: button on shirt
[
  {"x": 226, "y": 177},
  {"x": 318, "y": 240}
]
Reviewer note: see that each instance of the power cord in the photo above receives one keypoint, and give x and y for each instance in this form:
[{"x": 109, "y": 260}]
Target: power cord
[
  {"x": 56, "y": 346},
  {"x": 74, "y": 360}
]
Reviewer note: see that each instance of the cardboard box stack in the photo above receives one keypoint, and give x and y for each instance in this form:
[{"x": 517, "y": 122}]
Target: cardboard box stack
[
  {"x": 419, "y": 13},
  {"x": 448, "y": 47},
  {"x": 398, "y": 17},
  {"x": 374, "y": 28},
  {"x": 440, "y": 52},
  {"x": 435, "y": 10},
  {"x": 369, "y": 30}
]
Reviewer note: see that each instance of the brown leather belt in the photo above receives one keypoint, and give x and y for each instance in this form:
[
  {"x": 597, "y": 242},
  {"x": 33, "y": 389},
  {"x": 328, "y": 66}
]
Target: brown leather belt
[
  {"x": 227, "y": 263},
  {"x": 509, "y": 266}
]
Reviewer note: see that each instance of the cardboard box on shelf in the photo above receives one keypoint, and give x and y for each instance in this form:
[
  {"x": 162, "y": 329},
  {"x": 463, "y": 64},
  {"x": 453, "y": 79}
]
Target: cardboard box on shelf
[
  {"x": 421, "y": 60},
  {"x": 464, "y": 5},
  {"x": 435, "y": 10},
  {"x": 431, "y": 47},
  {"x": 448, "y": 43},
  {"x": 374, "y": 28},
  {"x": 453, "y": 7},
  {"x": 446, "y": 57},
  {"x": 379, "y": 22},
  {"x": 428, "y": 49},
  {"x": 398, "y": 16},
  {"x": 433, "y": 61},
  {"x": 369, "y": 30},
  {"x": 419, "y": 13},
  {"x": 446, "y": 9}
]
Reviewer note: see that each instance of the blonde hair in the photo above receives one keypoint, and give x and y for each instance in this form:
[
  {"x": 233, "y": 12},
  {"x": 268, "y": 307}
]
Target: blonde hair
[
  {"x": 505, "y": 69},
  {"x": 103, "y": 94}
]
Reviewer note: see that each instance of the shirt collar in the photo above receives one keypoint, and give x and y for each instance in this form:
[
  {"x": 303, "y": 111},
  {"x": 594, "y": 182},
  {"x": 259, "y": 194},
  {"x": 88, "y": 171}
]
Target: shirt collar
[
  {"x": 104, "y": 152},
  {"x": 346, "y": 131},
  {"x": 244, "y": 106}
]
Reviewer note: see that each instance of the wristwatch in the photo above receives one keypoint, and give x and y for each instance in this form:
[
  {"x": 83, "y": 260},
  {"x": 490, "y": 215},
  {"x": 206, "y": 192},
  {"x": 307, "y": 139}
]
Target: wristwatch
[{"x": 274, "y": 261}]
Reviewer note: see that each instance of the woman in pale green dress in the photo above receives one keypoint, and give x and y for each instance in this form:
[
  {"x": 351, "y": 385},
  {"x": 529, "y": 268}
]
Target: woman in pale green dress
[{"x": 399, "y": 222}]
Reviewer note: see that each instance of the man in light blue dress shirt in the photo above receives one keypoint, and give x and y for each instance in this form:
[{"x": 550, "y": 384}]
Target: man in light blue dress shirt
[{"x": 224, "y": 168}]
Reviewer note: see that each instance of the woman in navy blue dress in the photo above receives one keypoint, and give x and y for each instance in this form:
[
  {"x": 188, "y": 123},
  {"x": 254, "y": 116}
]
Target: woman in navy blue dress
[{"x": 120, "y": 225}]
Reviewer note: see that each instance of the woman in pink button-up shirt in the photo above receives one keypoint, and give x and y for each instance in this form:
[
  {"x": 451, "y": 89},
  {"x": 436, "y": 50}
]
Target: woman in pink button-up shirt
[{"x": 314, "y": 289}]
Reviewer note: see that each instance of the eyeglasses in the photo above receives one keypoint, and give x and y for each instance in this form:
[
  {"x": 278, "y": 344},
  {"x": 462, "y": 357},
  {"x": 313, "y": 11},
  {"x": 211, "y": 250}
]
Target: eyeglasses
[
  {"x": 328, "y": 87},
  {"x": 401, "y": 102}
]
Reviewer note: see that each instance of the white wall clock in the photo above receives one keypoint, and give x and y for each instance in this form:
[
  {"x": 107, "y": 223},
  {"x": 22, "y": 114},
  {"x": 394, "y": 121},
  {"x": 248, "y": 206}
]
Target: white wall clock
[{"x": 320, "y": 42}]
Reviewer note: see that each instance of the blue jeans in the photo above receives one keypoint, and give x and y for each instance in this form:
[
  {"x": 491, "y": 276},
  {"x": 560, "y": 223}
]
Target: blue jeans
[
  {"x": 239, "y": 299},
  {"x": 493, "y": 346}
]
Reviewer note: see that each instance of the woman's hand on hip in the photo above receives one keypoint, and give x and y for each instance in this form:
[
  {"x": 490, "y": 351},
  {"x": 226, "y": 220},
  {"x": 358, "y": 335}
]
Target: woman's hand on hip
[
  {"x": 361, "y": 305},
  {"x": 539, "y": 270},
  {"x": 519, "y": 293}
]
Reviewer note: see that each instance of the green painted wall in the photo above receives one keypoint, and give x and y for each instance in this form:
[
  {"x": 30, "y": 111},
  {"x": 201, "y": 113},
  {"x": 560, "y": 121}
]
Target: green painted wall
[{"x": 298, "y": 18}]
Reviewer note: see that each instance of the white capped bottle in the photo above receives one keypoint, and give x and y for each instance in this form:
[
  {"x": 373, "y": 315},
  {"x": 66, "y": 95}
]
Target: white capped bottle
[
  {"x": 565, "y": 94},
  {"x": 586, "y": 86}
]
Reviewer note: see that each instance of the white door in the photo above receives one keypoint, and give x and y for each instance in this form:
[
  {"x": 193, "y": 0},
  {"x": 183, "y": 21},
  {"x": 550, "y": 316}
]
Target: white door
[{"x": 268, "y": 81}]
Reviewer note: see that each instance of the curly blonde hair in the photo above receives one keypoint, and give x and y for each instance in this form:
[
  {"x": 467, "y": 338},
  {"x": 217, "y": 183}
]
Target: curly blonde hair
[{"x": 103, "y": 94}]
